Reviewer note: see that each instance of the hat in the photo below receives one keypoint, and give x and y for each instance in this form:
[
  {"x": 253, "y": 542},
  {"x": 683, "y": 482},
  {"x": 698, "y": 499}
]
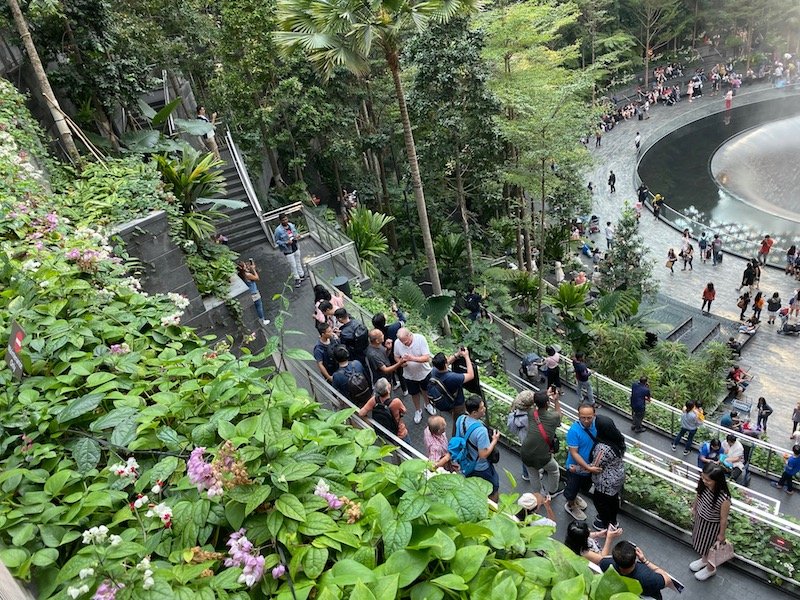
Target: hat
[{"x": 528, "y": 501}]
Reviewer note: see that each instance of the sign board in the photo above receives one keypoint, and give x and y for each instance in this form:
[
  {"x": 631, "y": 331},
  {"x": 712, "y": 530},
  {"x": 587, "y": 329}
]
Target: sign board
[{"x": 13, "y": 350}]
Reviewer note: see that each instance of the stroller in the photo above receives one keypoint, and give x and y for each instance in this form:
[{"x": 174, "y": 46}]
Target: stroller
[
  {"x": 532, "y": 368},
  {"x": 785, "y": 328}
]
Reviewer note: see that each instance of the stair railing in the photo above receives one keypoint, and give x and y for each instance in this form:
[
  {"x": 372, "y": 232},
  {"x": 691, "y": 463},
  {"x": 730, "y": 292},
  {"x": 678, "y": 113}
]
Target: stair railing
[{"x": 241, "y": 171}]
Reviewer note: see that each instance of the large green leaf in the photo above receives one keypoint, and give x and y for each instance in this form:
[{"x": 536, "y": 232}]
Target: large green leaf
[
  {"x": 86, "y": 453},
  {"x": 162, "y": 115},
  {"x": 79, "y": 406}
]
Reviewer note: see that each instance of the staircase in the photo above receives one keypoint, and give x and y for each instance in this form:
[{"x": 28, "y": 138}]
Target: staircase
[{"x": 242, "y": 226}]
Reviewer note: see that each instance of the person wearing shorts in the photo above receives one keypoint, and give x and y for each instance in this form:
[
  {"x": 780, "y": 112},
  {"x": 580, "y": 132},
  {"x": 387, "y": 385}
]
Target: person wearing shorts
[{"x": 412, "y": 350}]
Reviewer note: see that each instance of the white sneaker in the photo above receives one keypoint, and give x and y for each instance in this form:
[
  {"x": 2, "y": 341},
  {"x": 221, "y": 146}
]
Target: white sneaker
[
  {"x": 697, "y": 565},
  {"x": 418, "y": 416},
  {"x": 265, "y": 322},
  {"x": 704, "y": 574},
  {"x": 574, "y": 511},
  {"x": 431, "y": 410},
  {"x": 580, "y": 503}
]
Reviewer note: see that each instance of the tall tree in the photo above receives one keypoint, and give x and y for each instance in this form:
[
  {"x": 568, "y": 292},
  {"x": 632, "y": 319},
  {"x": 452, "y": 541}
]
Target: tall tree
[
  {"x": 628, "y": 265},
  {"x": 450, "y": 99},
  {"x": 655, "y": 20},
  {"x": 44, "y": 83},
  {"x": 342, "y": 33}
]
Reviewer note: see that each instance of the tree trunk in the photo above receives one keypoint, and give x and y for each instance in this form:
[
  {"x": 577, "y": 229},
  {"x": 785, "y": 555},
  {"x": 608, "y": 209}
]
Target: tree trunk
[
  {"x": 416, "y": 180},
  {"x": 527, "y": 219},
  {"x": 462, "y": 205},
  {"x": 44, "y": 84},
  {"x": 540, "y": 270},
  {"x": 386, "y": 204}
]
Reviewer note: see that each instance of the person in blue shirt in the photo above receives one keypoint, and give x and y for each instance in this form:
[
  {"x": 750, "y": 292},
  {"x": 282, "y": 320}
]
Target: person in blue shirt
[
  {"x": 479, "y": 443},
  {"x": 640, "y": 396},
  {"x": 709, "y": 453},
  {"x": 286, "y": 237},
  {"x": 581, "y": 438},
  {"x": 791, "y": 469},
  {"x": 629, "y": 561}
]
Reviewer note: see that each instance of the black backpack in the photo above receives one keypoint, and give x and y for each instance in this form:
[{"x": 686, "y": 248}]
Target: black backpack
[
  {"x": 358, "y": 387},
  {"x": 383, "y": 416},
  {"x": 355, "y": 337},
  {"x": 439, "y": 395}
]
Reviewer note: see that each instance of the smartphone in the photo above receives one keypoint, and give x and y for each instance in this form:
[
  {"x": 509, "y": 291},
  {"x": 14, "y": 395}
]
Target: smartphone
[{"x": 678, "y": 585}]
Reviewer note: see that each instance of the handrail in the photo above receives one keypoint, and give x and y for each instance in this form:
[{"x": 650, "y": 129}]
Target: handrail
[
  {"x": 241, "y": 171},
  {"x": 722, "y": 431}
]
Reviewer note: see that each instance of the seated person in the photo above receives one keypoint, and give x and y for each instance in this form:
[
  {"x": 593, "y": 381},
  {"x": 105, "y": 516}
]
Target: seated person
[
  {"x": 748, "y": 428},
  {"x": 738, "y": 380},
  {"x": 749, "y": 327},
  {"x": 529, "y": 502},
  {"x": 731, "y": 420},
  {"x": 736, "y": 347},
  {"x": 732, "y": 457},
  {"x": 709, "y": 452},
  {"x": 584, "y": 543},
  {"x": 629, "y": 561}
]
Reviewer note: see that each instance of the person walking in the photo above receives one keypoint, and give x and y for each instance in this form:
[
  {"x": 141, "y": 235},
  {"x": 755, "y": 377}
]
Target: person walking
[
  {"x": 637, "y": 142},
  {"x": 539, "y": 446},
  {"x": 582, "y": 379},
  {"x": 710, "y": 510},
  {"x": 658, "y": 203},
  {"x": 758, "y": 305},
  {"x": 743, "y": 303},
  {"x": 612, "y": 182},
  {"x": 773, "y": 306},
  {"x": 209, "y": 139},
  {"x": 795, "y": 420},
  {"x": 791, "y": 469},
  {"x": 791, "y": 255},
  {"x": 690, "y": 423},
  {"x": 716, "y": 250},
  {"x": 412, "y": 350},
  {"x": 709, "y": 293},
  {"x": 763, "y": 252},
  {"x": 671, "y": 260},
  {"x": 764, "y": 411},
  {"x": 748, "y": 277},
  {"x": 607, "y": 454},
  {"x": 640, "y": 396},
  {"x": 286, "y": 237}
]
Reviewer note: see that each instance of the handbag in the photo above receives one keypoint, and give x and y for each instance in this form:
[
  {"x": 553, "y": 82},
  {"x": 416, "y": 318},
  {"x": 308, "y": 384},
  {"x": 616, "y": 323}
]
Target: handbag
[
  {"x": 721, "y": 552},
  {"x": 553, "y": 444},
  {"x": 741, "y": 303}
]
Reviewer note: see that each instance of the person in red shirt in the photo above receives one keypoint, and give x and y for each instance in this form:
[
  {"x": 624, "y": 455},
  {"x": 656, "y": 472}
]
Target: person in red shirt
[
  {"x": 766, "y": 244},
  {"x": 709, "y": 293}
]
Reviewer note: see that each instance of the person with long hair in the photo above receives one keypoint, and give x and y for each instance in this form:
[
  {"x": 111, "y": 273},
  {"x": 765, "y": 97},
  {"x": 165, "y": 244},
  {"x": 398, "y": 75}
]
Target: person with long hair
[
  {"x": 708, "y": 296},
  {"x": 584, "y": 542},
  {"x": 764, "y": 411},
  {"x": 710, "y": 510},
  {"x": 607, "y": 454},
  {"x": 758, "y": 305}
]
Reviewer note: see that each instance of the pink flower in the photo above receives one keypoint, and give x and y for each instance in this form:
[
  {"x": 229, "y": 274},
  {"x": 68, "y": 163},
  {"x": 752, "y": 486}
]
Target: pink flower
[
  {"x": 74, "y": 254},
  {"x": 278, "y": 571},
  {"x": 244, "y": 555},
  {"x": 107, "y": 590},
  {"x": 202, "y": 474}
]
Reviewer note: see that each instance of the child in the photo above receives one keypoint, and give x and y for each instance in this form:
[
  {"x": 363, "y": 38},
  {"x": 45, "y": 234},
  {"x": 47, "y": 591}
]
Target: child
[
  {"x": 791, "y": 469},
  {"x": 436, "y": 442}
]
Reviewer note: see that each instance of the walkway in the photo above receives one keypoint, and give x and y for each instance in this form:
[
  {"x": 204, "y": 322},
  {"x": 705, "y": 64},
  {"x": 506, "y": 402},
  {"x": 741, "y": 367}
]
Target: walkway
[{"x": 769, "y": 356}]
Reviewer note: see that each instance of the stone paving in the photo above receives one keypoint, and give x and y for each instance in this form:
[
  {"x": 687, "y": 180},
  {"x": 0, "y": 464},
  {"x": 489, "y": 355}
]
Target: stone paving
[{"x": 770, "y": 357}]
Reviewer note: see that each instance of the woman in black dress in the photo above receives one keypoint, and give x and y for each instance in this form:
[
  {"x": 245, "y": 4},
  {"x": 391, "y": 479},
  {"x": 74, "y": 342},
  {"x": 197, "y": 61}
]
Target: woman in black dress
[{"x": 710, "y": 511}]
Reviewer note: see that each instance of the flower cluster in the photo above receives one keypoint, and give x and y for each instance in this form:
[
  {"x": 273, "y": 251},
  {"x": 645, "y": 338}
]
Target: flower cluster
[
  {"x": 107, "y": 590},
  {"x": 225, "y": 470},
  {"x": 141, "y": 500},
  {"x": 129, "y": 469},
  {"x": 278, "y": 571},
  {"x": 172, "y": 320},
  {"x": 122, "y": 348},
  {"x": 156, "y": 489},
  {"x": 27, "y": 443},
  {"x": 147, "y": 573},
  {"x": 243, "y": 554},
  {"x": 74, "y": 592},
  {"x": 99, "y": 536},
  {"x": 163, "y": 512},
  {"x": 324, "y": 491},
  {"x": 180, "y": 301}
]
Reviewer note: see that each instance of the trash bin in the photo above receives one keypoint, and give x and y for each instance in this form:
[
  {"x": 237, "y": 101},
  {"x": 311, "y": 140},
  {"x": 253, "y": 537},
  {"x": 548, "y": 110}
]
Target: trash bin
[{"x": 342, "y": 284}]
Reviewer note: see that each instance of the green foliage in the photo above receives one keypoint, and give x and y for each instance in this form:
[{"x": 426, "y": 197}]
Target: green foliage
[
  {"x": 191, "y": 178},
  {"x": 569, "y": 307},
  {"x": 616, "y": 351},
  {"x": 433, "y": 308},
  {"x": 629, "y": 265},
  {"x": 365, "y": 228}
]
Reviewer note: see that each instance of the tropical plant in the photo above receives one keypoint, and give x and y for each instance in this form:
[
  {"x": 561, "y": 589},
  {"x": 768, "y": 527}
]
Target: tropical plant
[
  {"x": 629, "y": 265},
  {"x": 342, "y": 34},
  {"x": 616, "y": 351},
  {"x": 569, "y": 307},
  {"x": 434, "y": 308},
  {"x": 365, "y": 228}
]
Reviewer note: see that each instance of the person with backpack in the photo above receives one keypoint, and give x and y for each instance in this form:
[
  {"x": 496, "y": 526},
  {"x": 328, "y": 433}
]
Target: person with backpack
[
  {"x": 472, "y": 302},
  {"x": 541, "y": 444},
  {"x": 471, "y": 445},
  {"x": 384, "y": 410},
  {"x": 445, "y": 388},
  {"x": 582, "y": 379},
  {"x": 412, "y": 349},
  {"x": 323, "y": 351},
  {"x": 353, "y": 334},
  {"x": 390, "y": 336},
  {"x": 350, "y": 379}
]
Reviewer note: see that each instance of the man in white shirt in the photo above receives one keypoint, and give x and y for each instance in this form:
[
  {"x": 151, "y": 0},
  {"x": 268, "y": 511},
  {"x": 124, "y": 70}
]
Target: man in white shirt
[
  {"x": 734, "y": 455},
  {"x": 412, "y": 349},
  {"x": 609, "y": 234}
]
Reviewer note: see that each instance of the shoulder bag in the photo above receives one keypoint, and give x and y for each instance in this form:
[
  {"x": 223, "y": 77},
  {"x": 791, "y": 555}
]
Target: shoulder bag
[
  {"x": 721, "y": 552},
  {"x": 552, "y": 444}
]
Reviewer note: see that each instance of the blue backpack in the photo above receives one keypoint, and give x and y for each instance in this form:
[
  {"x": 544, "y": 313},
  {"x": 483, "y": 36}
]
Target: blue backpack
[{"x": 459, "y": 447}]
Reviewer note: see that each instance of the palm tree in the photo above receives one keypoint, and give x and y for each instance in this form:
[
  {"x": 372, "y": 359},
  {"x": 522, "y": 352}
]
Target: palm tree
[{"x": 341, "y": 33}]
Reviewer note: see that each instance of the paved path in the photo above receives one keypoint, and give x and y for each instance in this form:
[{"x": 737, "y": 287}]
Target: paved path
[{"x": 770, "y": 357}]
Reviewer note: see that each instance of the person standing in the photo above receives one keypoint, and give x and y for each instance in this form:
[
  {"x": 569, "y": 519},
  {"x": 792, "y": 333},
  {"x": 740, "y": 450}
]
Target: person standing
[
  {"x": 383, "y": 395},
  {"x": 671, "y": 260},
  {"x": 249, "y": 274},
  {"x": 690, "y": 423},
  {"x": 582, "y": 379},
  {"x": 791, "y": 469},
  {"x": 709, "y": 293},
  {"x": 553, "y": 364},
  {"x": 637, "y": 142},
  {"x": 537, "y": 450},
  {"x": 640, "y": 396},
  {"x": 773, "y": 306},
  {"x": 612, "y": 182},
  {"x": 763, "y": 252},
  {"x": 710, "y": 510},
  {"x": 748, "y": 277},
  {"x": 598, "y": 137},
  {"x": 795, "y": 420},
  {"x": 688, "y": 257},
  {"x": 728, "y": 100},
  {"x": 642, "y": 193},
  {"x": 609, "y": 235},
  {"x": 608, "y": 454},
  {"x": 378, "y": 361},
  {"x": 479, "y": 445},
  {"x": 323, "y": 351},
  {"x": 758, "y": 305},
  {"x": 658, "y": 203},
  {"x": 702, "y": 244},
  {"x": 580, "y": 441},
  {"x": 743, "y": 303},
  {"x": 412, "y": 349},
  {"x": 350, "y": 379},
  {"x": 286, "y": 237},
  {"x": 448, "y": 387},
  {"x": 209, "y": 139},
  {"x": 764, "y": 411},
  {"x": 716, "y": 250},
  {"x": 353, "y": 334}
]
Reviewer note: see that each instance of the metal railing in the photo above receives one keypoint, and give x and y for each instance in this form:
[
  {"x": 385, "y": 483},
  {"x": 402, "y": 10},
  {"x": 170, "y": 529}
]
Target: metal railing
[
  {"x": 241, "y": 172},
  {"x": 269, "y": 217},
  {"x": 521, "y": 343},
  {"x": 341, "y": 262},
  {"x": 321, "y": 230}
]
